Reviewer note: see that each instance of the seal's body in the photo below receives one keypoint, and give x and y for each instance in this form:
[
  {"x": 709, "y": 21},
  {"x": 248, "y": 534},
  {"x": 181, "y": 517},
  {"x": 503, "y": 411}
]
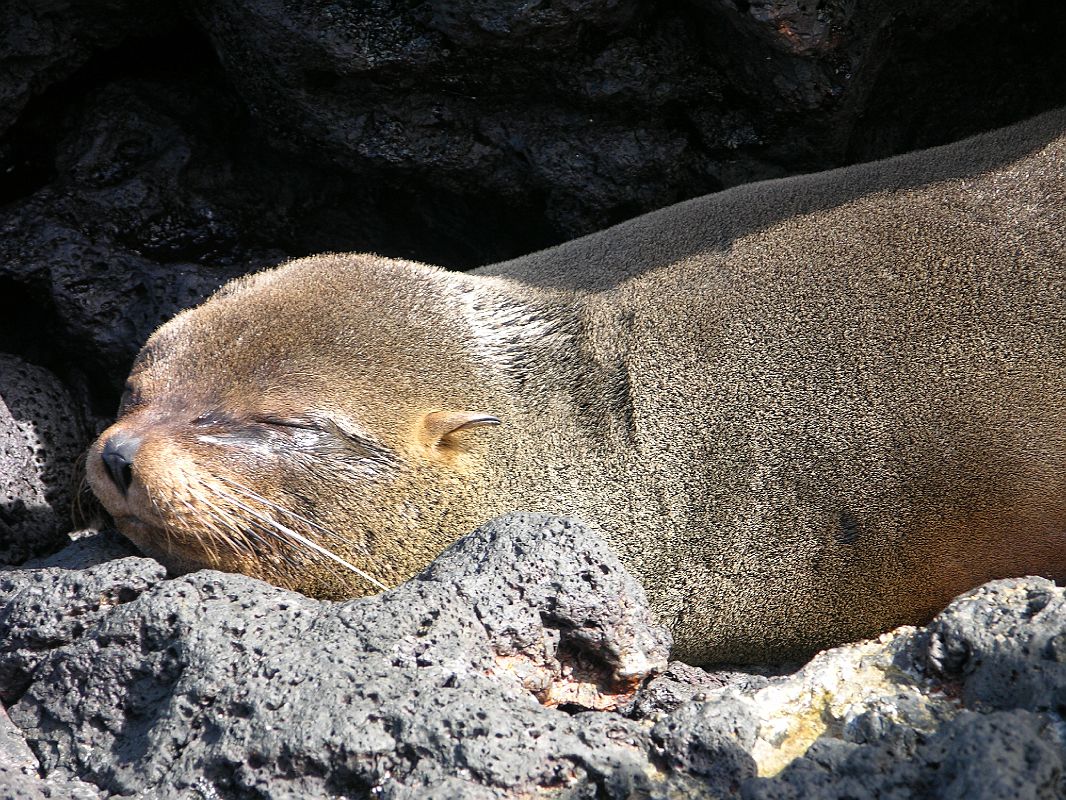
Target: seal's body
[{"x": 803, "y": 411}]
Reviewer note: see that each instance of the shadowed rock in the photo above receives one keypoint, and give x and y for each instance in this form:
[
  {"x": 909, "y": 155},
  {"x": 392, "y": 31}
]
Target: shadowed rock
[{"x": 41, "y": 438}]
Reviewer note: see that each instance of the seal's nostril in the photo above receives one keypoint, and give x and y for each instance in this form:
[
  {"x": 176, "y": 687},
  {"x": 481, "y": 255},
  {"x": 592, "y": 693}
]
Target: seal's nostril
[{"x": 118, "y": 454}]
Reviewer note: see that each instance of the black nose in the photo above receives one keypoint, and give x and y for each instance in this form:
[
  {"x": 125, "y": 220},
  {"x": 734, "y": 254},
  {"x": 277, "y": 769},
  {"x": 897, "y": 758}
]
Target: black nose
[{"x": 118, "y": 454}]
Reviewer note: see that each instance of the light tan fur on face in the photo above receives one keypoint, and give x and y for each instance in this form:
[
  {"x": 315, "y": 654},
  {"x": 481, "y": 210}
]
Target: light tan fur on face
[{"x": 802, "y": 411}]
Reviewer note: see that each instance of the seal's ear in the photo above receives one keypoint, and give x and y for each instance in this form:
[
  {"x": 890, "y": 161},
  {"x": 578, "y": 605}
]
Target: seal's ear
[{"x": 439, "y": 428}]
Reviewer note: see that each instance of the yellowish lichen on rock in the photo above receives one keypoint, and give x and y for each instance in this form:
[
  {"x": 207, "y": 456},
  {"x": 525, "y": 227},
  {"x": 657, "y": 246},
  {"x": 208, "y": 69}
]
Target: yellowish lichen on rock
[{"x": 835, "y": 688}]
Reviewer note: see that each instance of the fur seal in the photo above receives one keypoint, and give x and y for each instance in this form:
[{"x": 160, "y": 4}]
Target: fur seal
[{"x": 803, "y": 411}]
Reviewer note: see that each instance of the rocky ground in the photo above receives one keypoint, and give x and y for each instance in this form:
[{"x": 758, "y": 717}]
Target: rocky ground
[
  {"x": 522, "y": 663},
  {"x": 150, "y": 152}
]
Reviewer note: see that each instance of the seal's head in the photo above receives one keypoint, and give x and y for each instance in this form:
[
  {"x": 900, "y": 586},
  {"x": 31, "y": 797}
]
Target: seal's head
[{"x": 317, "y": 425}]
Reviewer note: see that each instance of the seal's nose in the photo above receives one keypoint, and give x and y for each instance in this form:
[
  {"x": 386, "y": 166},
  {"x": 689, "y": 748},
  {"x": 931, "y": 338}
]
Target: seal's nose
[{"x": 118, "y": 454}]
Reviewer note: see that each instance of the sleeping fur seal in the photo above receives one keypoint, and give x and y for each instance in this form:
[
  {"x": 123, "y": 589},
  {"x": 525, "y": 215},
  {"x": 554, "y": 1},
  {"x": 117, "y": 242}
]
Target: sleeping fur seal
[{"x": 803, "y": 411}]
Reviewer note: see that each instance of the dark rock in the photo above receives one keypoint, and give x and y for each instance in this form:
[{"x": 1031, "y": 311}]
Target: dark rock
[
  {"x": 435, "y": 93},
  {"x": 18, "y": 771},
  {"x": 488, "y": 24},
  {"x": 1005, "y": 642},
  {"x": 219, "y": 683},
  {"x": 42, "y": 43},
  {"x": 54, "y": 606},
  {"x": 87, "y": 548},
  {"x": 99, "y": 257},
  {"x": 41, "y": 437},
  {"x": 613, "y": 107},
  {"x": 712, "y": 740},
  {"x": 1002, "y": 754}
]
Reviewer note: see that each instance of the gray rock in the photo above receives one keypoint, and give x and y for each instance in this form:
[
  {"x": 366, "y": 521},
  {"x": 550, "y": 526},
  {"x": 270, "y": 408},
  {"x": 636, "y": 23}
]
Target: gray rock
[
  {"x": 124, "y": 683},
  {"x": 1015, "y": 754},
  {"x": 220, "y": 685},
  {"x": 924, "y": 727},
  {"x": 560, "y": 609},
  {"x": 1003, "y": 754},
  {"x": 681, "y": 682},
  {"x": 1005, "y": 642},
  {"x": 712, "y": 740},
  {"x": 18, "y": 771},
  {"x": 41, "y": 437},
  {"x": 54, "y": 606}
]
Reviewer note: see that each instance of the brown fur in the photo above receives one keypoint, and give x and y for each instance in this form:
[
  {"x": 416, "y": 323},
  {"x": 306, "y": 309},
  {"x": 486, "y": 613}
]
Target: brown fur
[{"x": 803, "y": 411}]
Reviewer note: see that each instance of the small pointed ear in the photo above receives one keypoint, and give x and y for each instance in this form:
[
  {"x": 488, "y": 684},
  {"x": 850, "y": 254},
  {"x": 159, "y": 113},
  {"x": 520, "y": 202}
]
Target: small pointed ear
[{"x": 439, "y": 426}]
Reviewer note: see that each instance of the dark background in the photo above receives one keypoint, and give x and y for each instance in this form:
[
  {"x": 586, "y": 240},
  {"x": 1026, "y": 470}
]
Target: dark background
[{"x": 151, "y": 151}]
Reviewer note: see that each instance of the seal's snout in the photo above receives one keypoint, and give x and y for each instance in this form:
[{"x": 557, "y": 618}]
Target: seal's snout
[{"x": 118, "y": 454}]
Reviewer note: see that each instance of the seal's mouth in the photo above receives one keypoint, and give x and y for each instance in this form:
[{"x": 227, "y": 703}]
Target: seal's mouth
[
  {"x": 126, "y": 499},
  {"x": 127, "y": 506}
]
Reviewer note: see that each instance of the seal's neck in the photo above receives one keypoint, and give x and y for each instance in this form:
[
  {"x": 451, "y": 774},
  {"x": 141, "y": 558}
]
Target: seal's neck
[
  {"x": 562, "y": 399},
  {"x": 522, "y": 338}
]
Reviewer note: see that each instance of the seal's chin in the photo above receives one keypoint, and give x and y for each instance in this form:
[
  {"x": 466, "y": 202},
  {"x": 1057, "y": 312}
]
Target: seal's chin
[{"x": 154, "y": 541}]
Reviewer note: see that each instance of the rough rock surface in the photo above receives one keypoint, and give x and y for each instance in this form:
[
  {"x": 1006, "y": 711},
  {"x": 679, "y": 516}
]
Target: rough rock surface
[
  {"x": 19, "y": 778},
  {"x": 149, "y": 153},
  {"x": 968, "y": 707},
  {"x": 42, "y": 43},
  {"x": 124, "y": 683},
  {"x": 41, "y": 437},
  {"x": 219, "y": 683}
]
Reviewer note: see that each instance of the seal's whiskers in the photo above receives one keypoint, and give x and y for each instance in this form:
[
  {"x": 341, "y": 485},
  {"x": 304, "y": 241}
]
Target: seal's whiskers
[
  {"x": 267, "y": 524},
  {"x": 241, "y": 488}
]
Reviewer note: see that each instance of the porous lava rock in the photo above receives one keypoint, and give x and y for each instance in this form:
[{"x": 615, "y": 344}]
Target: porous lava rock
[
  {"x": 222, "y": 684},
  {"x": 121, "y": 682},
  {"x": 41, "y": 436}
]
